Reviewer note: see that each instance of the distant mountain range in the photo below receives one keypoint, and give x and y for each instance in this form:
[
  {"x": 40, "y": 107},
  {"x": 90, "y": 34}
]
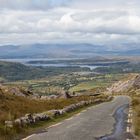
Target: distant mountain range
[{"x": 62, "y": 51}]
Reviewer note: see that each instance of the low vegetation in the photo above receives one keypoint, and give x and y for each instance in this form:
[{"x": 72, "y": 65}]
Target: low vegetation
[
  {"x": 12, "y": 107},
  {"x": 11, "y": 71},
  {"x": 47, "y": 81},
  {"x": 97, "y": 82},
  {"x": 136, "y": 108},
  {"x": 120, "y": 68}
]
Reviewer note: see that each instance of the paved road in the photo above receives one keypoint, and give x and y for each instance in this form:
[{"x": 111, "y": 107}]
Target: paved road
[{"x": 90, "y": 124}]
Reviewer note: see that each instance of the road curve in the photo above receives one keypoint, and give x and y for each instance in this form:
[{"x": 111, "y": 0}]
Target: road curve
[{"x": 95, "y": 122}]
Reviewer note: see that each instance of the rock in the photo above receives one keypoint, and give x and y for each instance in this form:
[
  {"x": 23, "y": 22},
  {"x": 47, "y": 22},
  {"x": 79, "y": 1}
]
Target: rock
[
  {"x": 40, "y": 117},
  {"x": 62, "y": 112},
  {"x": 17, "y": 122},
  {"x": 9, "y": 124},
  {"x": 43, "y": 98},
  {"x": 15, "y": 91},
  {"x": 54, "y": 113},
  {"x": 97, "y": 101},
  {"x": 36, "y": 118},
  {"x": 83, "y": 103},
  {"x": 70, "y": 108},
  {"x": 44, "y": 117},
  {"x": 137, "y": 82},
  {"x": 67, "y": 109},
  {"x": 67, "y": 95},
  {"x": 78, "y": 104},
  {"x": 24, "y": 121},
  {"x": 52, "y": 97},
  {"x": 30, "y": 118},
  {"x": 125, "y": 85}
]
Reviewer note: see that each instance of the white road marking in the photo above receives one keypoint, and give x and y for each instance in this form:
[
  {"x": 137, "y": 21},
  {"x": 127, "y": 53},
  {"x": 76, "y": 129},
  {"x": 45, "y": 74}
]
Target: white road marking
[
  {"x": 129, "y": 120},
  {"x": 129, "y": 115},
  {"x": 128, "y": 129},
  {"x": 130, "y": 110},
  {"x": 69, "y": 119},
  {"x": 55, "y": 125},
  {"x": 78, "y": 114},
  {"x": 29, "y": 137}
]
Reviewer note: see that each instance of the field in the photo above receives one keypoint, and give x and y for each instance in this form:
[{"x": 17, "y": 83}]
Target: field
[
  {"x": 87, "y": 86},
  {"x": 73, "y": 82},
  {"x": 96, "y": 82}
]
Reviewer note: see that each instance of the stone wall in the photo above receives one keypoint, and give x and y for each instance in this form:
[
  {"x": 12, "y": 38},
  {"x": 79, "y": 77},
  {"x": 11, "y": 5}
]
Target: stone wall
[{"x": 29, "y": 119}]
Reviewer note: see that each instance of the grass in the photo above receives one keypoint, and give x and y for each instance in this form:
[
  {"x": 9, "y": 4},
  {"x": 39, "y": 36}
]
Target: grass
[
  {"x": 100, "y": 81},
  {"x": 136, "y": 108},
  {"x": 42, "y": 125},
  {"x": 12, "y": 107},
  {"x": 88, "y": 85},
  {"x": 55, "y": 84}
]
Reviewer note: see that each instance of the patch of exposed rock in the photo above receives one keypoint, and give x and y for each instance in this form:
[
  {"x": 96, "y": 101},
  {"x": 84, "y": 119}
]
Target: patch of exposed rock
[
  {"x": 126, "y": 85},
  {"x": 16, "y": 91}
]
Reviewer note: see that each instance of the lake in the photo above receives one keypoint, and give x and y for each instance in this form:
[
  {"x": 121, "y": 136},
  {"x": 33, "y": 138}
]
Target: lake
[{"x": 26, "y": 60}]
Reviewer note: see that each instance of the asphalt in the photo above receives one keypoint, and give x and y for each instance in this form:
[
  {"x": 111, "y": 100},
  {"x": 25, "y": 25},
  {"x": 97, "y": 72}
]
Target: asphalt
[{"x": 90, "y": 124}]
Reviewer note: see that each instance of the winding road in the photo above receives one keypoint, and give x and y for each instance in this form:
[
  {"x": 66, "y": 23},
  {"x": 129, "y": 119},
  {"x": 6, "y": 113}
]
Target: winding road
[{"x": 91, "y": 124}]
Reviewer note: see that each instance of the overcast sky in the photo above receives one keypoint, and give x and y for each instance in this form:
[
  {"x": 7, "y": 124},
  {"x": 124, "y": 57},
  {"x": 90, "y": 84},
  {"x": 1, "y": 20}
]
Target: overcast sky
[{"x": 70, "y": 21}]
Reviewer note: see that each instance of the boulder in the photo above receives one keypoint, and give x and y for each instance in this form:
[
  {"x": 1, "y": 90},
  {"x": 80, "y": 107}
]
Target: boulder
[
  {"x": 24, "y": 121},
  {"x": 54, "y": 113},
  {"x": 17, "y": 122},
  {"x": 97, "y": 101},
  {"x": 70, "y": 108},
  {"x": 30, "y": 118},
  {"x": 36, "y": 118},
  {"x": 67, "y": 95},
  {"x": 9, "y": 124},
  {"x": 40, "y": 117},
  {"x": 62, "y": 112}
]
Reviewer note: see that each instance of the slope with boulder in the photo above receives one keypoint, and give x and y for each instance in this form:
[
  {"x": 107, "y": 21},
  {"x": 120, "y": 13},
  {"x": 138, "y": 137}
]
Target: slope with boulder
[{"x": 129, "y": 85}]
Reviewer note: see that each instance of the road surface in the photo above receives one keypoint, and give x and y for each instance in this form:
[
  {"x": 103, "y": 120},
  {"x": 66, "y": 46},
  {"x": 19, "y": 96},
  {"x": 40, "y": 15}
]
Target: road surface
[{"x": 90, "y": 124}]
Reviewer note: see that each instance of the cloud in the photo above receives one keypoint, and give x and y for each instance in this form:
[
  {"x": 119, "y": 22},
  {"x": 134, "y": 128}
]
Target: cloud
[
  {"x": 90, "y": 21},
  {"x": 31, "y": 4},
  {"x": 97, "y": 22}
]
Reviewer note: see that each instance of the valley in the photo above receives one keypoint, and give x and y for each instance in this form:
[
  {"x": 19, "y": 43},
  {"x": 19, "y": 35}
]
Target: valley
[
  {"x": 69, "y": 70},
  {"x": 33, "y": 90}
]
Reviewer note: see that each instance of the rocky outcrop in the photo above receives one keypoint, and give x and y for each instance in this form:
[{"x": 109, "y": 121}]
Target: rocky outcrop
[
  {"x": 14, "y": 90},
  {"x": 18, "y": 91},
  {"x": 125, "y": 85}
]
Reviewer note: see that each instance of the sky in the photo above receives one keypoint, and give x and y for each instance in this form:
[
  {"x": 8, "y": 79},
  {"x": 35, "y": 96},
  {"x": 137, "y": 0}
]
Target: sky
[{"x": 105, "y": 22}]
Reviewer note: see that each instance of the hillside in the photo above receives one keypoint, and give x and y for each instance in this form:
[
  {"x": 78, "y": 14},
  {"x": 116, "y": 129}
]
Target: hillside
[
  {"x": 129, "y": 85},
  {"x": 11, "y": 71},
  {"x": 83, "y": 50},
  {"x": 17, "y": 71},
  {"x": 16, "y": 91}
]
